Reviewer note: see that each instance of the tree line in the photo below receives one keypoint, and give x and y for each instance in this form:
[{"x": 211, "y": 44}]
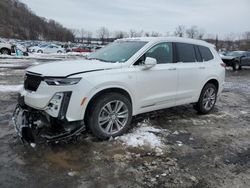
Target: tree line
[
  {"x": 229, "y": 42},
  {"x": 17, "y": 21}
]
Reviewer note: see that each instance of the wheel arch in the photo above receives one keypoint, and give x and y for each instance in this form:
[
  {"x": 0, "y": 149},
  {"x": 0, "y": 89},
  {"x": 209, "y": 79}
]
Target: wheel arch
[
  {"x": 103, "y": 91},
  {"x": 212, "y": 81},
  {"x": 4, "y": 48}
]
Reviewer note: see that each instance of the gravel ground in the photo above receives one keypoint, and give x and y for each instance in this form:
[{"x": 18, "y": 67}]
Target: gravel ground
[{"x": 192, "y": 150}]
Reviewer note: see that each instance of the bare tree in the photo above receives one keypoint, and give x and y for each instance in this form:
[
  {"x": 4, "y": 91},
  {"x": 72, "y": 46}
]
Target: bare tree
[
  {"x": 75, "y": 32},
  {"x": 134, "y": 33},
  {"x": 192, "y": 32},
  {"x": 120, "y": 34},
  {"x": 82, "y": 33},
  {"x": 103, "y": 33},
  {"x": 147, "y": 34},
  {"x": 89, "y": 36},
  {"x": 180, "y": 31},
  {"x": 201, "y": 33},
  {"x": 155, "y": 34}
]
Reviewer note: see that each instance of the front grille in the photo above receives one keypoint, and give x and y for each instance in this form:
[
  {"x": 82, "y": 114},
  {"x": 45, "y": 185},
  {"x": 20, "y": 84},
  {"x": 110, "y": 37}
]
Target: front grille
[{"x": 32, "y": 81}]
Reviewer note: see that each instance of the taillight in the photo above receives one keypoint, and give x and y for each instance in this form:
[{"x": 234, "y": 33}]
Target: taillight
[{"x": 223, "y": 65}]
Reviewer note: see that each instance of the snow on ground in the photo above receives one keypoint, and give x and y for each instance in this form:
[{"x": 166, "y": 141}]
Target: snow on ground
[
  {"x": 39, "y": 56},
  {"x": 11, "y": 65},
  {"x": 10, "y": 88},
  {"x": 144, "y": 135}
]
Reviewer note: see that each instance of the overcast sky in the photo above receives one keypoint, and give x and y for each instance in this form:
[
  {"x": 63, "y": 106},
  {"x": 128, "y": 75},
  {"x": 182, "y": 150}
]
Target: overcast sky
[{"x": 214, "y": 16}]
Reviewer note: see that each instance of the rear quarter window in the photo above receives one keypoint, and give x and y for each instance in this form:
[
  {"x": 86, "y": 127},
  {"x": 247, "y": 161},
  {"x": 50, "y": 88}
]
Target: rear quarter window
[{"x": 206, "y": 54}]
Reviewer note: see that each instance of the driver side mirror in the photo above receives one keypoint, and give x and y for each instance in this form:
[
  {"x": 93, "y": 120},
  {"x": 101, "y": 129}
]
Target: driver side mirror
[{"x": 149, "y": 63}]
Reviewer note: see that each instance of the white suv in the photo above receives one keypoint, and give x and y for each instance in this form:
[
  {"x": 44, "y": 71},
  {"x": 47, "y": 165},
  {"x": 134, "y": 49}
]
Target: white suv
[{"x": 126, "y": 78}]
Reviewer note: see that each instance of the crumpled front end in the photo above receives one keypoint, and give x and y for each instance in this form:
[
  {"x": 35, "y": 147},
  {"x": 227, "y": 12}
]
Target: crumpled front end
[{"x": 49, "y": 124}]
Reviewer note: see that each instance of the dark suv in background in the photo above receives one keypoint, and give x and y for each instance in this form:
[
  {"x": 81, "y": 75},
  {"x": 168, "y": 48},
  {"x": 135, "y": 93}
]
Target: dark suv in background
[{"x": 236, "y": 59}]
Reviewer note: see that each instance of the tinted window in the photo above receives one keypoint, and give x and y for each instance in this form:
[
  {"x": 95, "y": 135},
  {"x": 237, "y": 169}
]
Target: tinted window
[
  {"x": 186, "y": 52},
  {"x": 163, "y": 53},
  {"x": 205, "y": 53}
]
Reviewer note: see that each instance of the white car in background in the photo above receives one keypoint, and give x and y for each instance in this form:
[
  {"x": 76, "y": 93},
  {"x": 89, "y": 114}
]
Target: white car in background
[
  {"x": 123, "y": 79},
  {"x": 47, "y": 48},
  {"x": 5, "y": 47}
]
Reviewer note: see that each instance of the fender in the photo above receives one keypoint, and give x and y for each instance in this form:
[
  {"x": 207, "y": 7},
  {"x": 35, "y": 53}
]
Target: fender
[{"x": 104, "y": 86}]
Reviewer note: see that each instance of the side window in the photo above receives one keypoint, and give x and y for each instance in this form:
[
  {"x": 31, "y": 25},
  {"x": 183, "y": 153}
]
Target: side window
[
  {"x": 163, "y": 53},
  {"x": 186, "y": 52},
  {"x": 206, "y": 54}
]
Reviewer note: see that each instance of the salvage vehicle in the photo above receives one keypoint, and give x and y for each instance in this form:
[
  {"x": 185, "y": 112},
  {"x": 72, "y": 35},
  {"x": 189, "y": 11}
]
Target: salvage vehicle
[
  {"x": 236, "y": 59},
  {"x": 5, "y": 47},
  {"x": 127, "y": 77}
]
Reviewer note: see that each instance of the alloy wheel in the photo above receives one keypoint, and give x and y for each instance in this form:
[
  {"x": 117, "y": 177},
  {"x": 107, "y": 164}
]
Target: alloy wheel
[
  {"x": 113, "y": 117},
  {"x": 209, "y": 98}
]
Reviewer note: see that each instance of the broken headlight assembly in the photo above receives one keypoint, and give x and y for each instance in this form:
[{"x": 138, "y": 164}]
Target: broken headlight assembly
[{"x": 62, "y": 81}]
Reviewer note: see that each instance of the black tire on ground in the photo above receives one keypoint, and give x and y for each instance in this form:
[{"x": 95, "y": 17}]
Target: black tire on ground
[
  {"x": 59, "y": 51},
  {"x": 40, "y": 51},
  {"x": 96, "y": 109},
  {"x": 236, "y": 65},
  {"x": 5, "y": 51},
  {"x": 206, "y": 102}
]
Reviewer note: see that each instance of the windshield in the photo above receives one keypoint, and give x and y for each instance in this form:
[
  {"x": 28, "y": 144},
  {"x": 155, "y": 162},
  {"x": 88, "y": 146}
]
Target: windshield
[{"x": 119, "y": 51}]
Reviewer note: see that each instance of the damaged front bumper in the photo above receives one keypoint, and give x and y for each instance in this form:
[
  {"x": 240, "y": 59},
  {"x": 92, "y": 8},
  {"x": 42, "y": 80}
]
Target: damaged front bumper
[{"x": 49, "y": 124}]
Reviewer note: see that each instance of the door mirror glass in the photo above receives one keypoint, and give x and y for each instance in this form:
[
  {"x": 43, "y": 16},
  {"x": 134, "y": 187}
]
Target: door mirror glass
[{"x": 149, "y": 63}]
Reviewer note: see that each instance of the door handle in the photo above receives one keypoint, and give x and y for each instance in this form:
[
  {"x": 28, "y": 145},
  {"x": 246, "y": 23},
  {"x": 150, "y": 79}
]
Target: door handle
[
  {"x": 172, "y": 68},
  {"x": 202, "y": 67}
]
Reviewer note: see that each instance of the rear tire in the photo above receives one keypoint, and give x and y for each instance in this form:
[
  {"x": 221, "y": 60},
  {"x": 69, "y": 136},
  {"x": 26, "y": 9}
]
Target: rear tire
[
  {"x": 109, "y": 115},
  {"x": 40, "y": 51},
  {"x": 207, "y": 99}
]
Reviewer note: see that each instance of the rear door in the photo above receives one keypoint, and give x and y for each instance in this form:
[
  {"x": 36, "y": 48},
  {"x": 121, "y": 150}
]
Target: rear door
[
  {"x": 191, "y": 71},
  {"x": 246, "y": 59}
]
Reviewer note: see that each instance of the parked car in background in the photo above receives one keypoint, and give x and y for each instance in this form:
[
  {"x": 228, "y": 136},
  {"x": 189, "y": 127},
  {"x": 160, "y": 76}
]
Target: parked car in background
[
  {"x": 82, "y": 49},
  {"x": 47, "y": 48},
  {"x": 123, "y": 79},
  {"x": 5, "y": 47},
  {"x": 236, "y": 59},
  {"x": 36, "y": 47}
]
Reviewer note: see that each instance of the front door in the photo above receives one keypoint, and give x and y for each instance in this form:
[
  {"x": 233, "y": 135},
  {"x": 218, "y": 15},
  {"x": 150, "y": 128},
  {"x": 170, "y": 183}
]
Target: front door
[{"x": 156, "y": 87}]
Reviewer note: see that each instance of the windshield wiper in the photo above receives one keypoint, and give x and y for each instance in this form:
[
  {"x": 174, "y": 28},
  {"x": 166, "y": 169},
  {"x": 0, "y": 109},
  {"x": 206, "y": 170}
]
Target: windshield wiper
[{"x": 100, "y": 60}]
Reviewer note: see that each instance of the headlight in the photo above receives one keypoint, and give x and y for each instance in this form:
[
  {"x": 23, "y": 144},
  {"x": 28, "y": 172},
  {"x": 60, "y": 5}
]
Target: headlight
[{"x": 62, "y": 81}]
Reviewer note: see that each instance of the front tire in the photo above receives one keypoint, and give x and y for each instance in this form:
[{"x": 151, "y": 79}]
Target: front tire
[
  {"x": 207, "y": 99},
  {"x": 110, "y": 115},
  {"x": 236, "y": 65}
]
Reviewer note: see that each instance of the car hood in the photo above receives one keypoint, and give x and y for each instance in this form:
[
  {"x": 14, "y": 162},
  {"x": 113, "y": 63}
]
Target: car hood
[
  {"x": 68, "y": 68},
  {"x": 227, "y": 57}
]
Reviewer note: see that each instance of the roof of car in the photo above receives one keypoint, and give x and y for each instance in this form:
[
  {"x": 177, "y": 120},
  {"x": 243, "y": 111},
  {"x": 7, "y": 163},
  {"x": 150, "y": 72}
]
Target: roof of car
[{"x": 170, "y": 39}]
